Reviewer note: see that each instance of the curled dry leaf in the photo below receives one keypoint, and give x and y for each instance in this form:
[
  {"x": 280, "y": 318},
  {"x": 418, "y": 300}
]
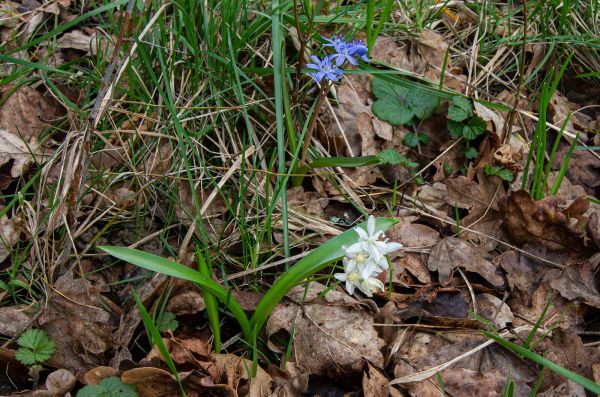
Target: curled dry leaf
[
  {"x": 233, "y": 371},
  {"x": 78, "y": 40},
  {"x": 10, "y": 233},
  {"x": 544, "y": 222},
  {"x": 332, "y": 336},
  {"x": 412, "y": 235},
  {"x": 577, "y": 282},
  {"x": 451, "y": 253}
]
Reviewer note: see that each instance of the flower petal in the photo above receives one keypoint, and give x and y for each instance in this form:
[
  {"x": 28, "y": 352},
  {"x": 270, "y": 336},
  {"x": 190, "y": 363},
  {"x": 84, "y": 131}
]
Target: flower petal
[{"x": 371, "y": 225}]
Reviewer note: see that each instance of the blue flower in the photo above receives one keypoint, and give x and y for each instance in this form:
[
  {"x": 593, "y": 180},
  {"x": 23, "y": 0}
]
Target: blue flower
[
  {"x": 359, "y": 49},
  {"x": 335, "y": 41},
  {"x": 344, "y": 53},
  {"x": 324, "y": 69}
]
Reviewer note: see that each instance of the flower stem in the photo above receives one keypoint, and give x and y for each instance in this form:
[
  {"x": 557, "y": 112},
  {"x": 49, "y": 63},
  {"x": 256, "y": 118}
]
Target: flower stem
[{"x": 313, "y": 121}]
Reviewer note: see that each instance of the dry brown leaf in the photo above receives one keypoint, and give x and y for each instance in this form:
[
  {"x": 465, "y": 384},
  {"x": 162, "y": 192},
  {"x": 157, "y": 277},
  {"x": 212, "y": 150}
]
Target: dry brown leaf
[
  {"x": 375, "y": 384},
  {"x": 584, "y": 167},
  {"x": 565, "y": 348},
  {"x": 26, "y": 113},
  {"x": 482, "y": 200},
  {"x": 13, "y": 320},
  {"x": 544, "y": 222},
  {"x": 153, "y": 382},
  {"x": 289, "y": 382},
  {"x": 422, "y": 351},
  {"x": 21, "y": 155},
  {"x": 78, "y": 40},
  {"x": 310, "y": 203},
  {"x": 568, "y": 388},
  {"x": 233, "y": 372},
  {"x": 333, "y": 336},
  {"x": 451, "y": 253},
  {"x": 577, "y": 283},
  {"x": 10, "y": 232},
  {"x": 186, "y": 302},
  {"x": 416, "y": 266},
  {"x": 412, "y": 235},
  {"x": 80, "y": 328},
  {"x": 95, "y": 375},
  {"x": 494, "y": 310}
]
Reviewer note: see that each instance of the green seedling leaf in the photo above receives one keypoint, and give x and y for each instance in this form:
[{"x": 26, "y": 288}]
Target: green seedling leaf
[
  {"x": 412, "y": 139},
  {"x": 398, "y": 105},
  {"x": 167, "y": 322},
  {"x": 35, "y": 347},
  {"x": 500, "y": 172},
  {"x": 391, "y": 156},
  {"x": 108, "y": 387},
  {"x": 475, "y": 127},
  {"x": 470, "y": 153},
  {"x": 460, "y": 109}
]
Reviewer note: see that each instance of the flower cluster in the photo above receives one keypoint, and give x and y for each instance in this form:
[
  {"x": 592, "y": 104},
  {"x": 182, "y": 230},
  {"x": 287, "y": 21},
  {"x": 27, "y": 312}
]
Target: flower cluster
[
  {"x": 365, "y": 260},
  {"x": 329, "y": 66}
]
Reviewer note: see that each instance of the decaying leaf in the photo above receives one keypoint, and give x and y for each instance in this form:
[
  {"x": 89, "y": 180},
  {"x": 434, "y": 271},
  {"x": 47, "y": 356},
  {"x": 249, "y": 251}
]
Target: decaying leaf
[
  {"x": 13, "y": 320},
  {"x": 544, "y": 222},
  {"x": 451, "y": 253},
  {"x": 18, "y": 153},
  {"x": 26, "y": 113},
  {"x": 10, "y": 233},
  {"x": 81, "y": 329},
  {"x": 482, "y": 200},
  {"x": 332, "y": 335}
]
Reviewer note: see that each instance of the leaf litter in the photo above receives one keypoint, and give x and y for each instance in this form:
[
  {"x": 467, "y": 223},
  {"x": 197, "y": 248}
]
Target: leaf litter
[{"x": 473, "y": 243}]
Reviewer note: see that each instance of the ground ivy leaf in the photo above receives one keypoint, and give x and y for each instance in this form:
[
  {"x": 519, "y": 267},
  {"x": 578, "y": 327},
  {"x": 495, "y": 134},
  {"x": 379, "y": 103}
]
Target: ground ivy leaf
[
  {"x": 471, "y": 153},
  {"x": 423, "y": 105},
  {"x": 501, "y": 172},
  {"x": 455, "y": 128},
  {"x": 475, "y": 127},
  {"x": 460, "y": 109}
]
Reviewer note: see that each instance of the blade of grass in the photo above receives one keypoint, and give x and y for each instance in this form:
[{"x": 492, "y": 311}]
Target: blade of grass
[
  {"x": 586, "y": 383},
  {"x": 156, "y": 339},
  {"x": 212, "y": 309}
]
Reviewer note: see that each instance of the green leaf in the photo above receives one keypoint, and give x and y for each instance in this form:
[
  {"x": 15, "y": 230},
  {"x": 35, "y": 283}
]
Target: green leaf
[
  {"x": 391, "y": 156},
  {"x": 460, "y": 109},
  {"x": 475, "y": 127},
  {"x": 393, "y": 104},
  {"x": 161, "y": 265},
  {"x": 35, "y": 347},
  {"x": 167, "y": 322},
  {"x": 470, "y": 153},
  {"x": 108, "y": 387},
  {"x": 500, "y": 172},
  {"x": 455, "y": 128},
  {"x": 422, "y": 104},
  {"x": 411, "y": 139}
]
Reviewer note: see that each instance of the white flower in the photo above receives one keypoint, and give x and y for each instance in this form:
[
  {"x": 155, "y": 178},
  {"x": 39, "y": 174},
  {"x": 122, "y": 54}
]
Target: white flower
[
  {"x": 369, "y": 242},
  {"x": 350, "y": 276},
  {"x": 371, "y": 285},
  {"x": 365, "y": 260}
]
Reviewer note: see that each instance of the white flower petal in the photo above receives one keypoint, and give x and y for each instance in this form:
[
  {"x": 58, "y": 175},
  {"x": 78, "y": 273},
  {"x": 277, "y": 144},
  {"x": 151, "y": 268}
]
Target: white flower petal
[
  {"x": 361, "y": 233},
  {"x": 371, "y": 225},
  {"x": 349, "y": 287},
  {"x": 341, "y": 276}
]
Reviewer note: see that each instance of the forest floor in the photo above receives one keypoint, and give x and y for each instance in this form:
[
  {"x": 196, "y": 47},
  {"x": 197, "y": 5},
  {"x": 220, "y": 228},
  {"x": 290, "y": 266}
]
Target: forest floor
[{"x": 194, "y": 131}]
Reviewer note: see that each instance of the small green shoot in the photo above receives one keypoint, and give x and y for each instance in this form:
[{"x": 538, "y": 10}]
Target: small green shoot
[
  {"x": 167, "y": 322},
  {"x": 413, "y": 139},
  {"x": 398, "y": 105},
  {"x": 212, "y": 306},
  {"x": 500, "y": 172},
  {"x": 34, "y": 347},
  {"x": 108, "y": 387}
]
